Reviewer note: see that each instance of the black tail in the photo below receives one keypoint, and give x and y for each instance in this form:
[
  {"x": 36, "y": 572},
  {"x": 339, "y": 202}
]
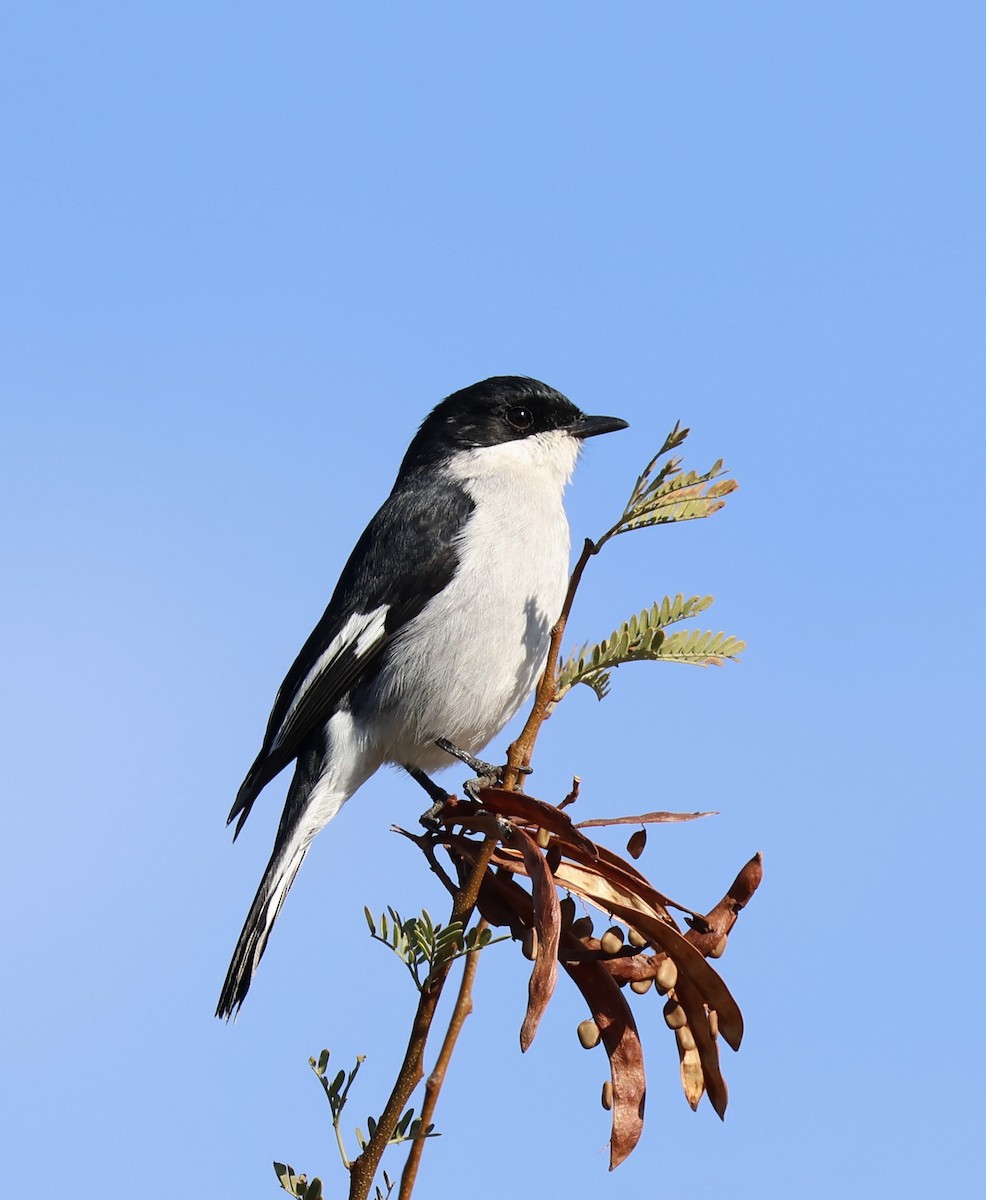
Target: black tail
[
  {"x": 294, "y": 835},
  {"x": 274, "y": 886}
]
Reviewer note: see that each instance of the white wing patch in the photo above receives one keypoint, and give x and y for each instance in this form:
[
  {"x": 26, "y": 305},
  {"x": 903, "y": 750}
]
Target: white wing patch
[{"x": 362, "y": 631}]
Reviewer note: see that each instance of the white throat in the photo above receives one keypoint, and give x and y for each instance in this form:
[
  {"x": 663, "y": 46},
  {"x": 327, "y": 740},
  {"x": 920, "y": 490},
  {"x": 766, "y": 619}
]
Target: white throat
[{"x": 542, "y": 463}]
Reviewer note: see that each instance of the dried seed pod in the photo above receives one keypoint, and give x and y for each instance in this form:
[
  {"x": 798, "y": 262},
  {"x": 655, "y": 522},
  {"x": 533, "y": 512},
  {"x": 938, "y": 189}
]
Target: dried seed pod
[
  {"x": 686, "y": 1039},
  {"x": 529, "y": 945},
  {"x": 582, "y": 928},
  {"x": 588, "y": 1032},
  {"x": 543, "y": 838},
  {"x": 719, "y": 949},
  {"x": 640, "y": 986},
  {"x": 666, "y": 975},
  {"x": 607, "y": 1096},
  {"x": 612, "y": 940},
  {"x": 674, "y": 1015},
  {"x": 637, "y": 940}
]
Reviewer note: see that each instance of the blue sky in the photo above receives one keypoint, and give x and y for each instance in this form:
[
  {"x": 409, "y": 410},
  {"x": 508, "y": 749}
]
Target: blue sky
[{"x": 245, "y": 248}]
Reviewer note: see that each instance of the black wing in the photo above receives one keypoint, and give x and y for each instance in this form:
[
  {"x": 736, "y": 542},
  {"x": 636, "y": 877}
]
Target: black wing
[{"x": 407, "y": 554}]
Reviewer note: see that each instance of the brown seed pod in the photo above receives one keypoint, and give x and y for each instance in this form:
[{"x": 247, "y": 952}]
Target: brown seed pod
[
  {"x": 640, "y": 986},
  {"x": 612, "y": 940},
  {"x": 674, "y": 1015},
  {"x": 567, "y": 908},
  {"x": 637, "y": 842},
  {"x": 529, "y": 945},
  {"x": 588, "y": 1032},
  {"x": 607, "y": 1096}
]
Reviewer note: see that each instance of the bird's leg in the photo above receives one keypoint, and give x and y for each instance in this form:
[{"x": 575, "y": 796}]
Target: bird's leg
[
  {"x": 476, "y": 764},
  {"x": 487, "y": 775},
  {"x": 429, "y": 818},
  {"x": 439, "y": 796}
]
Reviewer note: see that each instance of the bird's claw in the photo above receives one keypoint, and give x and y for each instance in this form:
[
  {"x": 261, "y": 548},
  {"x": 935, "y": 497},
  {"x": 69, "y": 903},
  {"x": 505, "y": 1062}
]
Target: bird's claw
[
  {"x": 472, "y": 787},
  {"x": 491, "y": 778},
  {"x": 429, "y": 818},
  {"x": 487, "y": 774}
]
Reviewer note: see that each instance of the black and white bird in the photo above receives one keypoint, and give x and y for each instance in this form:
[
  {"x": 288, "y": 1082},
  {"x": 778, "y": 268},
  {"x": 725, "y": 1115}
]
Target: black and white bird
[{"x": 438, "y": 627}]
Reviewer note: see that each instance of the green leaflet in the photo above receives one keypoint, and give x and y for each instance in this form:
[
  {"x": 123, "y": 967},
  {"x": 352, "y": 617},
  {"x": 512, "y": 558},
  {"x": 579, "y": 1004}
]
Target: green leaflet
[
  {"x": 643, "y": 638},
  {"x": 660, "y": 498},
  {"x": 672, "y": 495},
  {"x": 421, "y": 945}
]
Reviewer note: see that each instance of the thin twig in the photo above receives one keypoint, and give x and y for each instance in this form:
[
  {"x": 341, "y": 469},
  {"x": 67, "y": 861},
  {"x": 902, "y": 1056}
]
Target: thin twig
[
  {"x": 364, "y": 1168},
  {"x": 519, "y": 752},
  {"x": 463, "y": 1007},
  {"x": 337, "y": 1126}
]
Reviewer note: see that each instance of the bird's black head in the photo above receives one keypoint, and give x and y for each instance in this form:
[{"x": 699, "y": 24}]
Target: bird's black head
[{"x": 505, "y": 408}]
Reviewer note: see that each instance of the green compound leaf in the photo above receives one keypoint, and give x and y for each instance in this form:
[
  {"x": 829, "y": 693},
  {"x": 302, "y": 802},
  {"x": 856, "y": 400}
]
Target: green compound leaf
[
  {"x": 643, "y": 638},
  {"x": 422, "y": 944},
  {"x": 671, "y": 494},
  {"x": 701, "y": 649}
]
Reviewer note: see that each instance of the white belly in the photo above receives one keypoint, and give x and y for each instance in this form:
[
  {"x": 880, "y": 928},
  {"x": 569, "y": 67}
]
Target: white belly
[{"x": 476, "y": 650}]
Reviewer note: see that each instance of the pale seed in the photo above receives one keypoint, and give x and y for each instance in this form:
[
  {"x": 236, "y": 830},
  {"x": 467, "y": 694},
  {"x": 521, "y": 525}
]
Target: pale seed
[
  {"x": 674, "y": 1015},
  {"x": 719, "y": 949},
  {"x": 686, "y": 1039},
  {"x": 667, "y": 974},
  {"x": 588, "y": 1032},
  {"x": 612, "y": 941},
  {"x": 582, "y": 928}
]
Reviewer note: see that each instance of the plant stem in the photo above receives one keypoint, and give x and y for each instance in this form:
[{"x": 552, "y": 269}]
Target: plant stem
[
  {"x": 339, "y": 1142},
  {"x": 463, "y": 1007},
  {"x": 519, "y": 753},
  {"x": 364, "y": 1168}
]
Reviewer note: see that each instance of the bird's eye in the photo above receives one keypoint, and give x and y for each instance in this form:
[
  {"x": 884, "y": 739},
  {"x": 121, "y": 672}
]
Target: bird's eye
[{"x": 519, "y": 417}]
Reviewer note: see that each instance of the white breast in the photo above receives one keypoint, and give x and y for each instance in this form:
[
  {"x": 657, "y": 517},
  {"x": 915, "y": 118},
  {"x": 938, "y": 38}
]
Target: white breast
[{"x": 477, "y": 649}]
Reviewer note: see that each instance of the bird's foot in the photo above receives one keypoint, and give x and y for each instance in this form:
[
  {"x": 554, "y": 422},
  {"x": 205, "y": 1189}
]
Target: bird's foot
[
  {"x": 472, "y": 787},
  {"x": 439, "y": 797},
  {"x": 487, "y": 775},
  {"x": 445, "y": 806},
  {"x": 429, "y": 818}
]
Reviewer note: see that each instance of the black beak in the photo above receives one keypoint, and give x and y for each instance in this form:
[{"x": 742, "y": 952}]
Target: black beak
[{"x": 585, "y": 427}]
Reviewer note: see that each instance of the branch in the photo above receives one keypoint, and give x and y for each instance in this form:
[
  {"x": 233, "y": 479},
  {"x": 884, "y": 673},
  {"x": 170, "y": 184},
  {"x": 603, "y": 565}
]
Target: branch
[
  {"x": 364, "y": 1169},
  {"x": 463, "y": 1007},
  {"x": 519, "y": 753}
]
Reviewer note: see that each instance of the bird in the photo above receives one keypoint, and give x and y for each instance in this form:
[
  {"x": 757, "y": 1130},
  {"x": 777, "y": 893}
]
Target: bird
[{"x": 437, "y": 630}]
